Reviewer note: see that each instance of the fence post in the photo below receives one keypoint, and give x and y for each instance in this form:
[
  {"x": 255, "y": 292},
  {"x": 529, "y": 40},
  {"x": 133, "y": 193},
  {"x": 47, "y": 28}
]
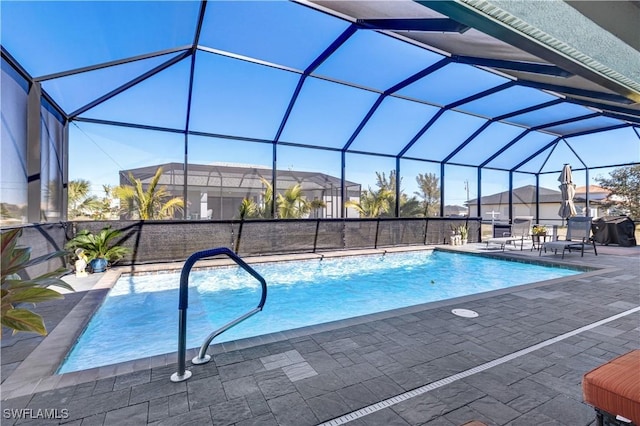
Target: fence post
[
  {"x": 237, "y": 247},
  {"x": 344, "y": 233},
  {"x": 426, "y": 228},
  {"x": 315, "y": 237}
]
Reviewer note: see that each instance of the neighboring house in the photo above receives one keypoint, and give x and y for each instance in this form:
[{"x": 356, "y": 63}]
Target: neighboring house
[
  {"x": 524, "y": 204},
  {"x": 215, "y": 191},
  {"x": 453, "y": 210},
  {"x": 598, "y": 196}
]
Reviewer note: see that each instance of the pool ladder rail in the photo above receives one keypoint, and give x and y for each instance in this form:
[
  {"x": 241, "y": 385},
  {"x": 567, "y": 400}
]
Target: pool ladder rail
[{"x": 183, "y": 374}]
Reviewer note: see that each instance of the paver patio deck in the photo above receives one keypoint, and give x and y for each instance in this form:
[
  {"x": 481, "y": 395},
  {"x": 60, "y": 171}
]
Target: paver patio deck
[{"x": 533, "y": 344}]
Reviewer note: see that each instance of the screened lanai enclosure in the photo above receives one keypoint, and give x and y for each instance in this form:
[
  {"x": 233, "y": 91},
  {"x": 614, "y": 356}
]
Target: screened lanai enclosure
[
  {"x": 373, "y": 108},
  {"x": 216, "y": 190}
]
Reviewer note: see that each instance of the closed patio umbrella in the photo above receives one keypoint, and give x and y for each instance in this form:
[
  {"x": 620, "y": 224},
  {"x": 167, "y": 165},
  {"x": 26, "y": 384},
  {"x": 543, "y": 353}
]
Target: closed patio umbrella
[{"x": 568, "y": 191}]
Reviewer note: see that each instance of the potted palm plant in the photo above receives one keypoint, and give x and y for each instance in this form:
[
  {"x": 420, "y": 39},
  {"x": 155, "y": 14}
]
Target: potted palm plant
[
  {"x": 459, "y": 234},
  {"x": 98, "y": 248},
  {"x": 463, "y": 230}
]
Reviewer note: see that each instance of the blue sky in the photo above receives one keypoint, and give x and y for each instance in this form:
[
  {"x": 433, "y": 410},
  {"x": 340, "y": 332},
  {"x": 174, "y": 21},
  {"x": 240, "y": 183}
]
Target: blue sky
[{"x": 246, "y": 99}]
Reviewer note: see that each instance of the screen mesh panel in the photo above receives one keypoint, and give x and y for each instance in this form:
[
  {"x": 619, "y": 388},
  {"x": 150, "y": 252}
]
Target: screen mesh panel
[
  {"x": 43, "y": 239},
  {"x": 159, "y": 241},
  {"x": 360, "y": 233},
  {"x": 403, "y": 232},
  {"x": 173, "y": 241},
  {"x": 330, "y": 235},
  {"x": 280, "y": 236}
]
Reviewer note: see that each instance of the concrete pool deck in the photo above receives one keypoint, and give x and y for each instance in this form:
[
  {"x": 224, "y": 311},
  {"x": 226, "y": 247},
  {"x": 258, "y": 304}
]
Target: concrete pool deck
[{"x": 520, "y": 361}]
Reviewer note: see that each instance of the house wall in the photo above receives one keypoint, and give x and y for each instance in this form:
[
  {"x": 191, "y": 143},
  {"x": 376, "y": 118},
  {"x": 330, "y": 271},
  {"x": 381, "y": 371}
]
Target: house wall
[
  {"x": 226, "y": 207},
  {"x": 548, "y": 211}
]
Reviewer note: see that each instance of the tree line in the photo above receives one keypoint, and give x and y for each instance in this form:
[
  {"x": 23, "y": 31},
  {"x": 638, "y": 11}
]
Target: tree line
[
  {"x": 136, "y": 202},
  {"x": 154, "y": 201},
  {"x": 381, "y": 202}
]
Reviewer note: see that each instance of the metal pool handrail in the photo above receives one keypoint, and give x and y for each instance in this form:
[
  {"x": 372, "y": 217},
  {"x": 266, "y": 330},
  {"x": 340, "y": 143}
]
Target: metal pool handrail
[{"x": 182, "y": 373}]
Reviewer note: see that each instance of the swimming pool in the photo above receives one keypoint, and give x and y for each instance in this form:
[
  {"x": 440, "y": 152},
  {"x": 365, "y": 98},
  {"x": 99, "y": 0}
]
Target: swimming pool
[{"x": 139, "y": 317}]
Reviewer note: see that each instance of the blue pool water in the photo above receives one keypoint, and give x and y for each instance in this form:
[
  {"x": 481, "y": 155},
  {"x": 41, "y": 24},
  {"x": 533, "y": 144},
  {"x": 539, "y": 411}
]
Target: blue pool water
[{"x": 139, "y": 317}]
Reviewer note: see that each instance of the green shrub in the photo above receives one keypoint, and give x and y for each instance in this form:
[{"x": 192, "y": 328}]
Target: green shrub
[
  {"x": 17, "y": 291},
  {"x": 98, "y": 246}
]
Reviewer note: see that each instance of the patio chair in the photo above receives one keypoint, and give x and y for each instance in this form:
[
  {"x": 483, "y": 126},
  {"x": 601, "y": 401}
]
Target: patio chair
[
  {"x": 520, "y": 229},
  {"x": 578, "y": 237}
]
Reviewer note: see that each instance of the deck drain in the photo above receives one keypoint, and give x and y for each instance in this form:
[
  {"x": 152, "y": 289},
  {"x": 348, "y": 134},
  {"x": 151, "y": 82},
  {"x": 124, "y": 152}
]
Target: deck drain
[
  {"x": 465, "y": 313},
  {"x": 470, "y": 372}
]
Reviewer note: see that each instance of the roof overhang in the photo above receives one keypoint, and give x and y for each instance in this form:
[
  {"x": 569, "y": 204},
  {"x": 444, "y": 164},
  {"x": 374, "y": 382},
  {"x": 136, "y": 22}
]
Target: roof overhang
[{"x": 587, "y": 51}]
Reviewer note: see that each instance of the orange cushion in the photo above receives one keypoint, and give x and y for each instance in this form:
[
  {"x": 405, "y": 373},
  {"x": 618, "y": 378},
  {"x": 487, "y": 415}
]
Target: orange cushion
[{"x": 615, "y": 386}]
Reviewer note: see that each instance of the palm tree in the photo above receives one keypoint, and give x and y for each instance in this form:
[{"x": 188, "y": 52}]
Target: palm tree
[
  {"x": 409, "y": 207},
  {"x": 106, "y": 211},
  {"x": 154, "y": 203},
  {"x": 316, "y": 205},
  {"x": 248, "y": 209},
  {"x": 372, "y": 203},
  {"x": 266, "y": 210},
  {"x": 292, "y": 204},
  {"x": 389, "y": 186},
  {"x": 381, "y": 203},
  {"x": 429, "y": 186},
  {"x": 80, "y": 202}
]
